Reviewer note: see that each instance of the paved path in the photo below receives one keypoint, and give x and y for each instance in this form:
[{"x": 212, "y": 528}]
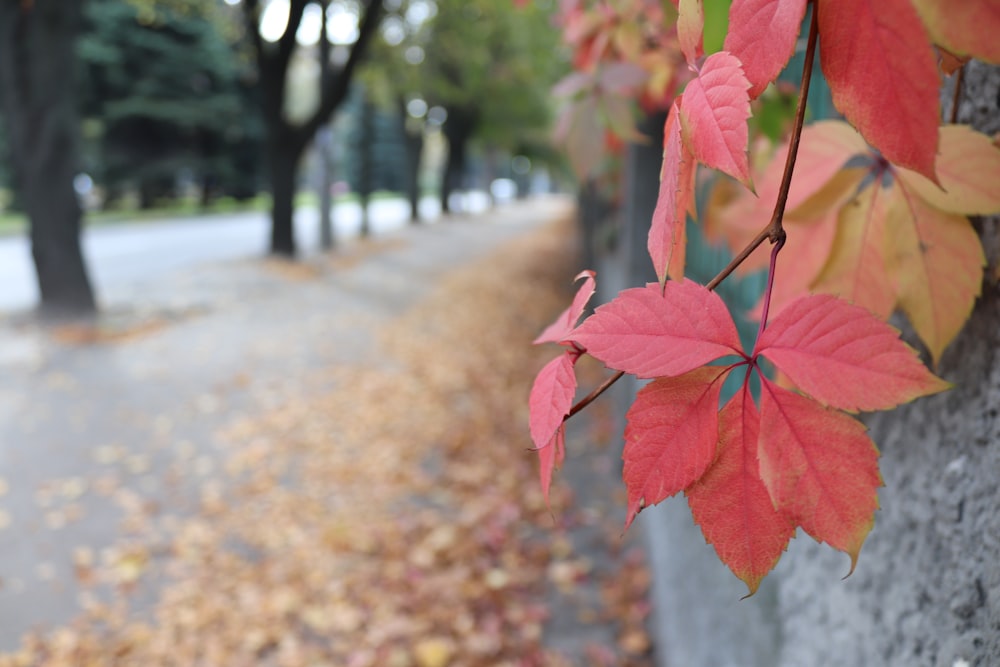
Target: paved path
[{"x": 89, "y": 434}]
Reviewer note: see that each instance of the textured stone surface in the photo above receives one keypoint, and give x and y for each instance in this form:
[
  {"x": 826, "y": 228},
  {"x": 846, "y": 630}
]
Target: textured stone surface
[{"x": 927, "y": 587}]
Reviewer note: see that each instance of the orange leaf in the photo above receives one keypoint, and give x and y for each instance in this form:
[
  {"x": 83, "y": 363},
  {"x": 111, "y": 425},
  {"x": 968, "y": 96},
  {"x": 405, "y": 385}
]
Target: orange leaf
[
  {"x": 968, "y": 168},
  {"x": 820, "y": 468},
  {"x": 731, "y": 504},
  {"x": 883, "y": 77},
  {"x": 936, "y": 261}
]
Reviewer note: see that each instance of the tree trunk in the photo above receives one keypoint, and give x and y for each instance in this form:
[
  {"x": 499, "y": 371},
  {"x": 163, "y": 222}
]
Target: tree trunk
[
  {"x": 324, "y": 147},
  {"x": 413, "y": 143},
  {"x": 37, "y": 60},
  {"x": 366, "y": 162},
  {"x": 284, "y": 159},
  {"x": 414, "y": 153},
  {"x": 457, "y": 130}
]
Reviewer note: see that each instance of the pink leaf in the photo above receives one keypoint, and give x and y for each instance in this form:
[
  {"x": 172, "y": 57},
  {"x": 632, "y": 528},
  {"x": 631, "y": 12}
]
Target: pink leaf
[
  {"x": 671, "y": 435},
  {"x": 565, "y": 323},
  {"x": 714, "y": 115},
  {"x": 820, "y": 468},
  {"x": 762, "y": 34},
  {"x": 653, "y": 334},
  {"x": 666, "y": 241},
  {"x": 844, "y": 356},
  {"x": 731, "y": 504},
  {"x": 550, "y": 401}
]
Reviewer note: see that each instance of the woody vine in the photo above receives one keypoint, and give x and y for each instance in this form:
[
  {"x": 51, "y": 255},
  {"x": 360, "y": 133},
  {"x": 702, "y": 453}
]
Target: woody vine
[{"x": 865, "y": 217}]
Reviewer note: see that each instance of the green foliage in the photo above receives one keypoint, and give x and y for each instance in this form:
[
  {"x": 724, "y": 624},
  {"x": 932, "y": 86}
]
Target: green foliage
[
  {"x": 163, "y": 93},
  {"x": 479, "y": 59}
]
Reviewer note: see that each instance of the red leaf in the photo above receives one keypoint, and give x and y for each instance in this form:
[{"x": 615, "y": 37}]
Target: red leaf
[
  {"x": 877, "y": 58},
  {"x": 844, "y": 356},
  {"x": 652, "y": 334},
  {"x": 551, "y": 457},
  {"x": 820, "y": 468},
  {"x": 670, "y": 439},
  {"x": 762, "y": 35},
  {"x": 731, "y": 503},
  {"x": 667, "y": 241},
  {"x": 550, "y": 401},
  {"x": 559, "y": 330},
  {"x": 690, "y": 29},
  {"x": 714, "y": 115}
]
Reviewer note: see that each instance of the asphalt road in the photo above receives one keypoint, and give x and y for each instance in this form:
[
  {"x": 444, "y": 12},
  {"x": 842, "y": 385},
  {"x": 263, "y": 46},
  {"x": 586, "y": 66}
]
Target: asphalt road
[{"x": 121, "y": 256}]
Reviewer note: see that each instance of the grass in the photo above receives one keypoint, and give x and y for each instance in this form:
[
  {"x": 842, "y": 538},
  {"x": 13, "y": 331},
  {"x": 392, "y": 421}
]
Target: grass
[{"x": 16, "y": 223}]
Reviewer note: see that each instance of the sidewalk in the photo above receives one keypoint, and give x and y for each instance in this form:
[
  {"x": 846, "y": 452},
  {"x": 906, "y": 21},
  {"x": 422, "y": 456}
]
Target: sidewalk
[{"x": 315, "y": 464}]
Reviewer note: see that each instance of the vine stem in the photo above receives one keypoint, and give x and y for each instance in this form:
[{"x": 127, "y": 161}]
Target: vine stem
[
  {"x": 957, "y": 95},
  {"x": 774, "y": 231}
]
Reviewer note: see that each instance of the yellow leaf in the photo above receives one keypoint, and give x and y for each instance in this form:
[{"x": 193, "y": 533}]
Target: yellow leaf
[
  {"x": 856, "y": 270},
  {"x": 433, "y": 652},
  {"x": 936, "y": 261},
  {"x": 968, "y": 167}
]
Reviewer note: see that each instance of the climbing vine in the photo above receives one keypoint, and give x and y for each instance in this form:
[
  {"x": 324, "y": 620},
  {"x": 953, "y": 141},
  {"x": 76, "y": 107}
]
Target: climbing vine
[{"x": 865, "y": 217}]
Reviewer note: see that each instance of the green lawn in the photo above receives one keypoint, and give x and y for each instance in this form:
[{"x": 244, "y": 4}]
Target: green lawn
[{"x": 16, "y": 223}]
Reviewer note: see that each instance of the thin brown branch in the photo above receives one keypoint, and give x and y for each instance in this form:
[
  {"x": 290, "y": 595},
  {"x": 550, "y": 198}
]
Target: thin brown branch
[
  {"x": 774, "y": 230},
  {"x": 957, "y": 95},
  {"x": 589, "y": 398},
  {"x": 793, "y": 146}
]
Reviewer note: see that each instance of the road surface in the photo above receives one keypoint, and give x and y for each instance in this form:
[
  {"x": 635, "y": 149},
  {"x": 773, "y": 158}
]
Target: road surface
[{"x": 120, "y": 257}]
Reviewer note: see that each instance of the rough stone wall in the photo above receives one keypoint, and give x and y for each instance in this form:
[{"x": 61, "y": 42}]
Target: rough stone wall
[{"x": 927, "y": 587}]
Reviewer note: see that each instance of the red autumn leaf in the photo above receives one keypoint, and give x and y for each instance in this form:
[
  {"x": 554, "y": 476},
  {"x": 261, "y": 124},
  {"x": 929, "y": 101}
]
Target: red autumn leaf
[
  {"x": 714, "y": 115},
  {"x": 731, "y": 504},
  {"x": 878, "y": 60},
  {"x": 762, "y": 34},
  {"x": 550, "y": 401},
  {"x": 652, "y": 333},
  {"x": 690, "y": 29},
  {"x": 667, "y": 238},
  {"x": 844, "y": 357},
  {"x": 566, "y": 322},
  {"x": 671, "y": 435},
  {"x": 966, "y": 28},
  {"x": 820, "y": 468}
]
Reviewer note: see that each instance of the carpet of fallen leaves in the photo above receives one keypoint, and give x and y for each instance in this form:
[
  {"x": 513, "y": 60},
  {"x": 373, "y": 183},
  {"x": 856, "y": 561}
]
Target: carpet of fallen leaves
[{"x": 394, "y": 521}]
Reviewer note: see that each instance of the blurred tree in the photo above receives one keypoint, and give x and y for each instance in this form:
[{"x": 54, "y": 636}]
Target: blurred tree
[
  {"x": 491, "y": 66},
  {"x": 165, "y": 96},
  {"x": 287, "y": 139},
  {"x": 38, "y": 93},
  {"x": 488, "y": 64}
]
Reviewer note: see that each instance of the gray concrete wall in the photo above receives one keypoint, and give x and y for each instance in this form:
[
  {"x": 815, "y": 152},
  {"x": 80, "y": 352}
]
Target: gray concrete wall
[{"x": 927, "y": 587}]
